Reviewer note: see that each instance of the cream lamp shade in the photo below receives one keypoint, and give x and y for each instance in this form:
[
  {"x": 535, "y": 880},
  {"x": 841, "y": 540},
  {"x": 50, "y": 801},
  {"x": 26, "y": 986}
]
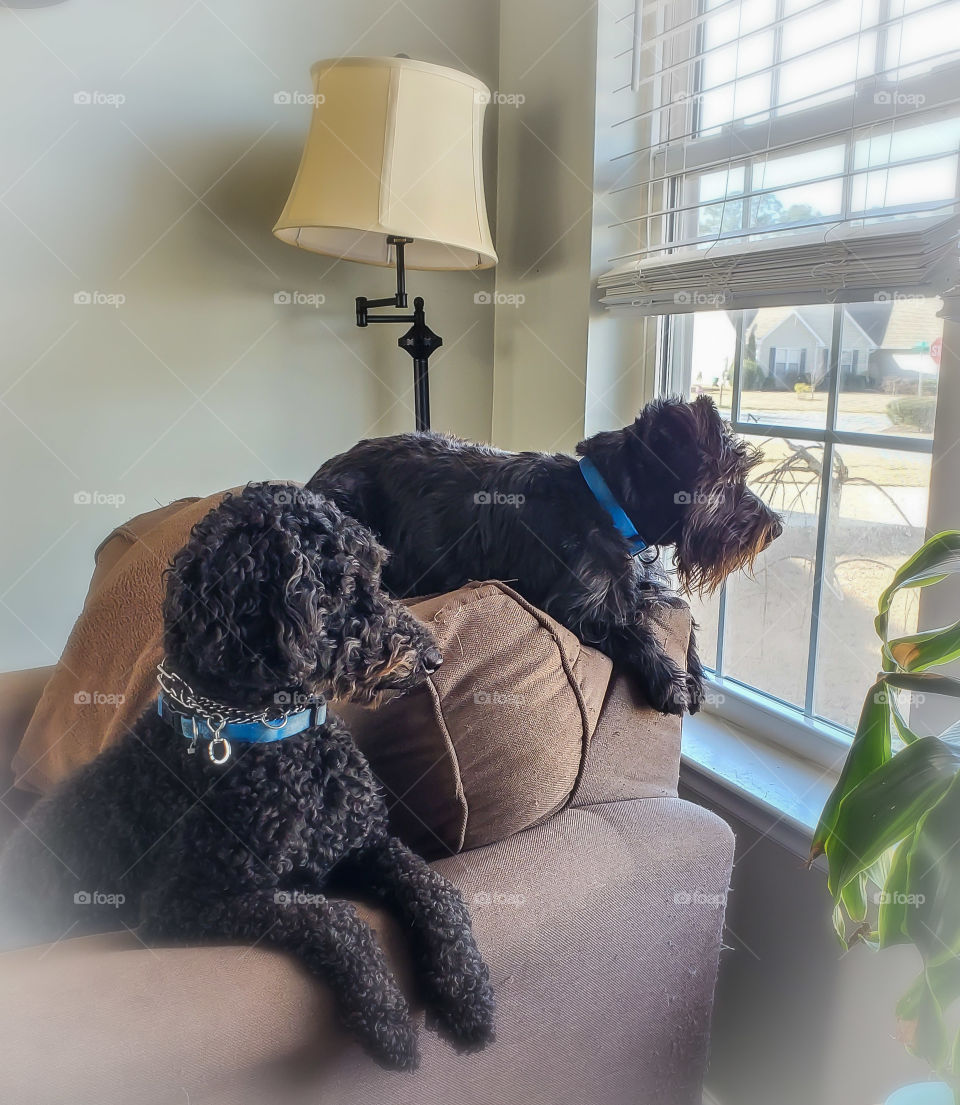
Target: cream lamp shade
[{"x": 394, "y": 149}]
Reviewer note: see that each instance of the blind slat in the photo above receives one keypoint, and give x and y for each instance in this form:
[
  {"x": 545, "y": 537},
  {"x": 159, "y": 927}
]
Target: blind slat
[{"x": 710, "y": 193}]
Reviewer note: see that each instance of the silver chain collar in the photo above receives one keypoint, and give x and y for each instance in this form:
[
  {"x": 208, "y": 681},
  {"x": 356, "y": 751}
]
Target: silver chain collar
[{"x": 217, "y": 714}]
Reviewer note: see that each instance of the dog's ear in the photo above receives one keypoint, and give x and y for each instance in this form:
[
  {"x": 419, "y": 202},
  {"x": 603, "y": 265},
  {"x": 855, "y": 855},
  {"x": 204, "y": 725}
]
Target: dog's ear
[
  {"x": 250, "y": 594},
  {"x": 664, "y": 440},
  {"x": 710, "y": 429},
  {"x": 376, "y": 647}
]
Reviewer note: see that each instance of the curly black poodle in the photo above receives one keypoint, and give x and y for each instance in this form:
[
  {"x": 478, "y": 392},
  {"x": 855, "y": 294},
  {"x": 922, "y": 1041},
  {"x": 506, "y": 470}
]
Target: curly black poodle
[
  {"x": 229, "y": 813},
  {"x": 580, "y": 539}
]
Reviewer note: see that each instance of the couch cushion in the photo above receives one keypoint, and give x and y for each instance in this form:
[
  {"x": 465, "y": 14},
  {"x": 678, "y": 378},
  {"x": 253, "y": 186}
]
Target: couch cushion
[
  {"x": 495, "y": 741},
  {"x": 492, "y": 744}
]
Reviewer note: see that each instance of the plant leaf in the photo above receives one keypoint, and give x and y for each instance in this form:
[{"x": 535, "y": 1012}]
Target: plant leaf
[
  {"x": 870, "y": 749},
  {"x": 951, "y": 733},
  {"x": 933, "y": 561},
  {"x": 891, "y": 921},
  {"x": 886, "y": 806},
  {"x": 922, "y": 683},
  {"x": 938, "y": 557},
  {"x": 933, "y": 923},
  {"x": 853, "y": 894},
  {"x": 919, "y": 651},
  {"x": 920, "y": 1008},
  {"x": 905, "y": 733}
]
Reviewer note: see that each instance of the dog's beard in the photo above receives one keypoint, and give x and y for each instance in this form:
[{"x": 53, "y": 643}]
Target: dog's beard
[{"x": 720, "y": 536}]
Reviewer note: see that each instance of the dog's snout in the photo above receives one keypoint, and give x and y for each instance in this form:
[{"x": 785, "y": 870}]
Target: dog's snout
[
  {"x": 432, "y": 659},
  {"x": 776, "y": 529}
]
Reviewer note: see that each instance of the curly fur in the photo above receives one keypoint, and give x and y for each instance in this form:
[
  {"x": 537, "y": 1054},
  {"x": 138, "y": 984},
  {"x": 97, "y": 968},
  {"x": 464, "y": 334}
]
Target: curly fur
[
  {"x": 451, "y": 511},
  {"x": 276, "y": 595}
]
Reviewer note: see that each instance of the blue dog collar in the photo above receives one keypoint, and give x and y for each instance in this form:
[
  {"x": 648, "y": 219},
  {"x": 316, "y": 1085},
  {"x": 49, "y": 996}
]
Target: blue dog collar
[
  {"x": 261, "y": 731},
  {"x": 604, "y": 496}
]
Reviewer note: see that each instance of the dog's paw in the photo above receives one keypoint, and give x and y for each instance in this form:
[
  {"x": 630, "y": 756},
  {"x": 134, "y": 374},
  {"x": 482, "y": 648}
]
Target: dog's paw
[
  {"x": 394, "y": 1041},
  {"x": 666, "y": 688},
  {"x": 468, "y": 1022},
  {"x": 695, "y": 693},
  {"x": 471, "y": 1023}
]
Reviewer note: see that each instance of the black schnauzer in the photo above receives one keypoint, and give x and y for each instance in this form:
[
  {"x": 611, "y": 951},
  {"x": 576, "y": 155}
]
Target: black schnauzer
[
  {"x": 567, "y": 535},
  {"x": 229, "y": 809}
]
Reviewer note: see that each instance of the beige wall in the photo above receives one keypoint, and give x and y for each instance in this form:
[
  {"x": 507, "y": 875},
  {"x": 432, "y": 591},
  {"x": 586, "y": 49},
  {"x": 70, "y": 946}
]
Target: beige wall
[
  {"x": 544, "y": 212},
  {"x": 564, "y": 367},
  {"x": 199, "y": 380},
  {"x": 797, "y": 1021}
]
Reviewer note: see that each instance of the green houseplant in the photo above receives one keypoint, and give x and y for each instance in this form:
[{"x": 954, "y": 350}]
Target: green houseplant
[{"x": 890, "y": 829}]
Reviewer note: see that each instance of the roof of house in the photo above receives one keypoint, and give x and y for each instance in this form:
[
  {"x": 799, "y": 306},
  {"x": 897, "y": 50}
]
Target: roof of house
[
  {"x": 912, "y": 322},
  {"x": 904, "y": 323},
  {"x": 817, "y": 318}
]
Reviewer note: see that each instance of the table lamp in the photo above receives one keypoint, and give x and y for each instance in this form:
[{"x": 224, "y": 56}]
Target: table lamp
[{"x": 391, "y": 174}]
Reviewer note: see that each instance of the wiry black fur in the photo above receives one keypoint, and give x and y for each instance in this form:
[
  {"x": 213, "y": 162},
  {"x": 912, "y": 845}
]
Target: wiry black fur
[
  {"x": 451, "y": 511},
  {"x": 277, "y": 594}
]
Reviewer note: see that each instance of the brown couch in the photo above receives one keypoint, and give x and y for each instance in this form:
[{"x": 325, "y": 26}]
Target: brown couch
[{"x": 601, "y": 927}]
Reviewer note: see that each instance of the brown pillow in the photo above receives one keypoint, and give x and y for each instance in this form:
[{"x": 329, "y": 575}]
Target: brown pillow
[{"x": 492, "y": 744}]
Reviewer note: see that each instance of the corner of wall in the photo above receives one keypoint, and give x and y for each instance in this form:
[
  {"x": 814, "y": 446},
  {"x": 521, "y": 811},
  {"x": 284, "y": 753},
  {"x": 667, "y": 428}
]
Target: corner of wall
[{"x": 545, "y": 203}]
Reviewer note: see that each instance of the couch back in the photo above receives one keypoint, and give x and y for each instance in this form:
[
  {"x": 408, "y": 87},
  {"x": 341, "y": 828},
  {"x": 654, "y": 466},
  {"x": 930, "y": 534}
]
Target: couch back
[{"x": 465, "y": 761}]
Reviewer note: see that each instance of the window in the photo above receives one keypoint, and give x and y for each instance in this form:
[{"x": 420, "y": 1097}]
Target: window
[
  {"x": 782, "y": 192},
  {"x": 845, "y": 459}
]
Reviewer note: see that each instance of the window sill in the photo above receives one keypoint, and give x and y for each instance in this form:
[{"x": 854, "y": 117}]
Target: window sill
[{"x": 768, "y": 787}]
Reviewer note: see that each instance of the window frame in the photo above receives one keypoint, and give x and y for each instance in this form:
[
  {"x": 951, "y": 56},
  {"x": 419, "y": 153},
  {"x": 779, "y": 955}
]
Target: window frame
[
  {"x": 799, "y": 728},
  {"x": 677, "y": 162},
  {"x": 625, "y": 367}
]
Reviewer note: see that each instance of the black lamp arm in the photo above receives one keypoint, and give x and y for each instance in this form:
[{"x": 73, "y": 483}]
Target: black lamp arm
[
  {"x": 399, "y": 299},
  {"x": 419, "y": 341}
]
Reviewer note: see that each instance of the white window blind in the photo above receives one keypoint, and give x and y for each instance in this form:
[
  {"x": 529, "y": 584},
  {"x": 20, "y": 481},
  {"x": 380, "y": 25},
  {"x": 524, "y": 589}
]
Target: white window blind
[{"x": 785, "y": 151}]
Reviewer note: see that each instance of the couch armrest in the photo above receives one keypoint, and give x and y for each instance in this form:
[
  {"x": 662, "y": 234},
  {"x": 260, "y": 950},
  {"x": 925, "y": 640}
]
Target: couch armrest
[
  {"x": 602, "y": 931},
  {"x": 19, "y": 694}
]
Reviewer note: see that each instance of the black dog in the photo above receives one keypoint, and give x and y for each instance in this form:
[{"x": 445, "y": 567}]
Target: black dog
[
  {"x": 210, "y": 821},
  {"x": 566, "y": 537}
]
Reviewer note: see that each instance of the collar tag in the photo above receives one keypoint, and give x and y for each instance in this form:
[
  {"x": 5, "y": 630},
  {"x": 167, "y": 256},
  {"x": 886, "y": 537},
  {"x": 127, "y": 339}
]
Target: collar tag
[{"x": 604, "y": 496}]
